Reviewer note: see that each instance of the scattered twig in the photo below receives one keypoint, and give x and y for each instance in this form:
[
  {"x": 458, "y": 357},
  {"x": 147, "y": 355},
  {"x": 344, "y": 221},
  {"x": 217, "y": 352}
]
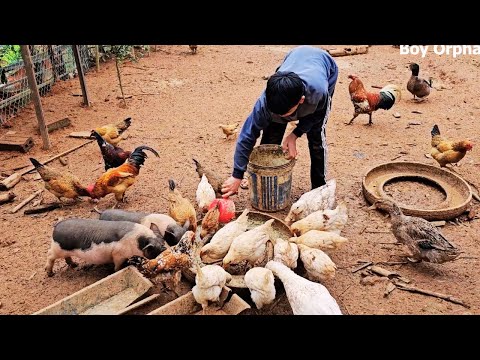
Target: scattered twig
[
  {"x": 389, "y": 243},
  {"x": 361, "y": 267},
  {"x": 42, "y": 208},
  {"x": 120, "y": 81},
  {"x": 389, "y": 263},
  {"x": 126, "y": 97},
  {"x": 377, "y": 87},
  {"x": 227, "y": 77},
  {"x": 136, "y": 67},
  {"x": 382, "y": 272},
  {"x": 370, "y": 231},
  {"x": 26, "y": 201},
  {"x": 363, "y": 230},
  {"x": 31, "y": 276},
  {"x": 431, "y": 293},
  {"x": 396, "y": 157}
]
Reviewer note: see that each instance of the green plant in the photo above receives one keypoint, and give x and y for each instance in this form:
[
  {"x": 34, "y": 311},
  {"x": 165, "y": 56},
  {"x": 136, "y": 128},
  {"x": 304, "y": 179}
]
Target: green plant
[{"x": 9, "y": 54}]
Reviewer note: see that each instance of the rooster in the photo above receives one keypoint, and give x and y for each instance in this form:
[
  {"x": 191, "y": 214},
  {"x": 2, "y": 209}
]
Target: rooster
[
  {"x": 111, "y": 132},
  {"x": 366, "y": 102},
  {"x": 118, "y": 180},
  {"x": 445, "y": 151},
  {"x": 193, "y": 48},
  {"x": 60, "y": 183},
  {"x": 113, "y": 156}
]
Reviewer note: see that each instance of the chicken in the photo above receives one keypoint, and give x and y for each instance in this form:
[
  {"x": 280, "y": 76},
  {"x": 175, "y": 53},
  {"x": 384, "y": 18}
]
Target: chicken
[
  {"x": 365, "y": 102},
  {"x": 62, "y": 184},
  {"x": 111, "y": 132},
  {"x": 210, "y": 222},
  {"x": 214, "y": 180},
  {"x": 218, "y": 246},
  {"x": 249, "y": 246},
  {"x": 180, "y": 208},
  {"x": 229, "y": 130},
  {"x": 118, "y": 180},
  {"x": 423, "y": 240},
  {"x": 205, "y": 194},
  {"x": 193, "y": 48},
  {"x": 113, "y": 156},
  {"x": 209, "y": 282},
  {"x": 174, "y": 258},
  {"x": 445, "y": 151},
  {"x": 322, "y": 240},
  {"x": 285, "y": 252},
  {"x": 326, "y": 220},
  {"x": 321, "y": 198},
  {"x": 261, "y": 283},
  {"x": 417, "y": 86},
  {"x": 319, "y": 266},
  {"x": 305, "y": 297}
]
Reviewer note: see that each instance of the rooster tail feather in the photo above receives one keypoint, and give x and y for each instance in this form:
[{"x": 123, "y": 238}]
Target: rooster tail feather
[
  {"x": 36, "y": 163},
  {"x": 137, "y": 157},
  {"x": 435, "y": 130},
  {"x": 145, "y": 147}
]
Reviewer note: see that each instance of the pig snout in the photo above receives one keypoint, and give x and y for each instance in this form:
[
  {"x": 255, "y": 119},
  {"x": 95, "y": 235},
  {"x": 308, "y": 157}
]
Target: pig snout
[
  {"x": 173, "y": 234},
  {"x": 101, "y": 242}
]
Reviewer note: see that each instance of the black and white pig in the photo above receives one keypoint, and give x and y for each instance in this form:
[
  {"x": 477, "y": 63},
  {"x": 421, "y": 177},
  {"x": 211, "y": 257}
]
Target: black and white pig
[
  {"x": 101, "y": 242},
  {"x": 161, "y": 224}
]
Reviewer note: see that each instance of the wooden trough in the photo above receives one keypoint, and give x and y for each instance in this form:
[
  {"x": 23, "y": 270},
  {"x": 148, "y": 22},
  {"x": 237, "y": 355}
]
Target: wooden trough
[{"x": 108, "y": 296}]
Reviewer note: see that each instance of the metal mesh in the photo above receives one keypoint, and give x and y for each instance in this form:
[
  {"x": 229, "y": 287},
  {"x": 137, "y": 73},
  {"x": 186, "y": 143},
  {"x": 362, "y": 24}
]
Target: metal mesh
[{"x": 51, "y": 63}]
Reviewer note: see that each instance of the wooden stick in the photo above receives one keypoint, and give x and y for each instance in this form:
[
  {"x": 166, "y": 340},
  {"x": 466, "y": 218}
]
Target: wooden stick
[
  {"x": 42, "y": 208},
  {"x": 382, "y": 272},
  {"x": 32, "y": 84},
  {"x": 26, "y": 201},
  {"x": 97, "y": 57},
  {"x": 431, "y": 293},
  {"x": 10, "y": 181},
  {"x": 377, "y": 231},
  {"x": 4, "y": 198},
  {"x": 81, "y": 76},
  {"x": 120, "y": 80},
  {"x": 361, "y": 267},
  {"x": 56, "y": 157}
]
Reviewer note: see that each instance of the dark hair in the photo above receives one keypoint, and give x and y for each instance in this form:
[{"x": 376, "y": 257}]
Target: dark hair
[{"x": 284, "y": 91}]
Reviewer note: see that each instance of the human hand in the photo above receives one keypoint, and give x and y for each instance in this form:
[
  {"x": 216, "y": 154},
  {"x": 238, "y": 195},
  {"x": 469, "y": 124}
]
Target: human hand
[
  {"x": 289, "y": 146},
  {"x": 230, "y": 186}
]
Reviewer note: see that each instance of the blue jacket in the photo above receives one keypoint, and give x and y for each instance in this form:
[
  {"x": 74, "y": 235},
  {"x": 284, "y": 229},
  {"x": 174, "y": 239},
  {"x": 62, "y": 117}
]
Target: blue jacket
[{"x": 318, "y": 71}]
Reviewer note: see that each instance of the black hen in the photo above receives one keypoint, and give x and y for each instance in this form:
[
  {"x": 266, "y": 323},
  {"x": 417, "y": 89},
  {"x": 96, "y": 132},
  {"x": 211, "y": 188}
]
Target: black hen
[{"x": 113, "y": 156}]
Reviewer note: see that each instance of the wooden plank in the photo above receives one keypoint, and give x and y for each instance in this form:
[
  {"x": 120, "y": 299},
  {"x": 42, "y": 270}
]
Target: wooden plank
[
  {"x": 58, "y": 124},
  {"x": 81, "y": 134},
  {"x": 354, "y": 50},
  {"x": 32, "y": 83},
  {"x": 10, "y": 181},
  {"x": 11, "y": 143}
]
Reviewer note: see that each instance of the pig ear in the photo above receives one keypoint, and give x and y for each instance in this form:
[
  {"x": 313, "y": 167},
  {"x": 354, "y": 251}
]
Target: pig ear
[
  {"x": 186, "y": 225},
  {"x": 150, "y": 251},
  {"x": 155, "y": 229}
]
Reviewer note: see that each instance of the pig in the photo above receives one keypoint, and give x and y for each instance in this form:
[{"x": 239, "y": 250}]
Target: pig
[
  {"x": 101, "y": 242},
  {"x": 161, "y": 224}
]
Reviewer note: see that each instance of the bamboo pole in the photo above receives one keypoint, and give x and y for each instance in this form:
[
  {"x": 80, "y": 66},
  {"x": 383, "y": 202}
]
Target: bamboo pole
[
  {"x": 32, "y": 84},
  {"x": 81, "y": 76}
]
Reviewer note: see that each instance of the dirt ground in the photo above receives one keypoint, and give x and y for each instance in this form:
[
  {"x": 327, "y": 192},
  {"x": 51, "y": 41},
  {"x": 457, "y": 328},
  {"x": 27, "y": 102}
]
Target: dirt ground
[{"x": 178, "y": 101}]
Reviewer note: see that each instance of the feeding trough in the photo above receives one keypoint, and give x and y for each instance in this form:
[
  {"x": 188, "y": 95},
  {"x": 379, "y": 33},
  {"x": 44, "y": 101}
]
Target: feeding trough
[
  {"x": 108, "y": 296},
  {"x": 455, "y": 192}
]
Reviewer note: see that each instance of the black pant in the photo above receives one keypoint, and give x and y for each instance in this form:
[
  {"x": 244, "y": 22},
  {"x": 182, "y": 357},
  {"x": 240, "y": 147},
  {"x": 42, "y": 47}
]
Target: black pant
[{"x": 317, "y": 143}]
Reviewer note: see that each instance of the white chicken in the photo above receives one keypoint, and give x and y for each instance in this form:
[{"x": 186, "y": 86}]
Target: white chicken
[
  {"x": 326, "y": 220},
  {"x": 261, "y": 283},
  {"x": 321, "y": 198},
  {"x": 209, "y": 282},
  {"x": 319, "y": 266},
  {"x": 250, "y": 245},
  {"x": 285, "y": 252},
  {"x": 205, "y": 194},
  {"x": 305, "y": 297},
  {"x": 322, "y": 240},
  {"x": 218, "y": 246}
]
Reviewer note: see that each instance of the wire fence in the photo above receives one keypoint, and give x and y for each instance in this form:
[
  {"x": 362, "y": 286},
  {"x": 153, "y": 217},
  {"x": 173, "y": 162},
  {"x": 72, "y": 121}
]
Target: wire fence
[{"x": 51, "y": 63}]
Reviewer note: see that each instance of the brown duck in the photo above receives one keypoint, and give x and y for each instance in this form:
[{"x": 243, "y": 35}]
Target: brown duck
[
  {"x": 417, "y": 86},
  {"x": 424, "y": 240}
]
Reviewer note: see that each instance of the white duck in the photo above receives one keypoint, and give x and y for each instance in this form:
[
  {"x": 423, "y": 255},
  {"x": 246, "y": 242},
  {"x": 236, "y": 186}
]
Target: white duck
[
  {"x": 305, "y": 297},
  {"x": 321, "y": 198}
]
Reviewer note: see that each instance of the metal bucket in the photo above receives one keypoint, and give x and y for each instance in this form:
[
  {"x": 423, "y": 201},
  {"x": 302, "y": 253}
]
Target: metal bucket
[{"x": 270, "y": 179}]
